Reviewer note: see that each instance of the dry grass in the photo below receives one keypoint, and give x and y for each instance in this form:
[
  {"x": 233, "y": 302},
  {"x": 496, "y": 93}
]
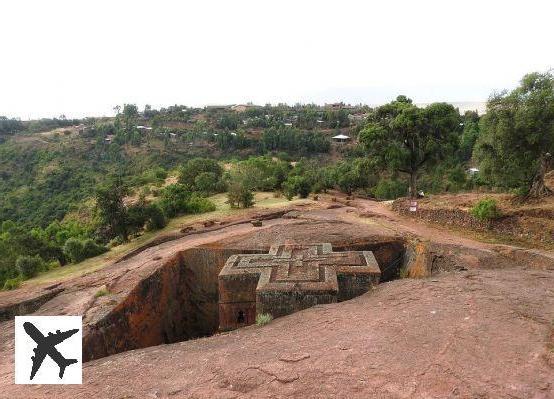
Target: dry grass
[
  {"x": 419, "y": 266},
  {"x": 263, "y": 318},
  {"x": 103, "y": 291}
]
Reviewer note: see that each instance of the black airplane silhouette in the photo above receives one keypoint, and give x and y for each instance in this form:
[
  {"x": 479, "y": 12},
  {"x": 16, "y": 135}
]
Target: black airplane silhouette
[{"x": 46, "y": 346}]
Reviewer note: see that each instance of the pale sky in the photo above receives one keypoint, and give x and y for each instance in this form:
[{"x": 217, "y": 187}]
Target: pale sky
[{"x": 82, "y": 57}]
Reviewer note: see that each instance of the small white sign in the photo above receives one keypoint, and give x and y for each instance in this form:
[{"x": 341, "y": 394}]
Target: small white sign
[
  {"x": 48, "y": 350},
  {"x": 413, "y": 206}
]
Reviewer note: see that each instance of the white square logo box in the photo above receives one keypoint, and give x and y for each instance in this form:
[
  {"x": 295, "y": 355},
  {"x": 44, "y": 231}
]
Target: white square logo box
[{"x": 48, "y": 348}]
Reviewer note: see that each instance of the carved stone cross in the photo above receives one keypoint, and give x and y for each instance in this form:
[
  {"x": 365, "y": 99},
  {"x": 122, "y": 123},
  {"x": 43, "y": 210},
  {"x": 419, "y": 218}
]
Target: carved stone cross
[{"x": 289, "y": 278}]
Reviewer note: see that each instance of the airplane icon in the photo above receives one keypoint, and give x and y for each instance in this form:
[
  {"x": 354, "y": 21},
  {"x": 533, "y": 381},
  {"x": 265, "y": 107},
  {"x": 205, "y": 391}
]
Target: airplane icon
[{"x": 46, "y": 346}]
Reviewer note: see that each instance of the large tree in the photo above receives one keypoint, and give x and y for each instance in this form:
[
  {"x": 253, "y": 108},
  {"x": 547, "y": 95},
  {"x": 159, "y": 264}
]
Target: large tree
[
  {"x": 405, "y": 138},
  {"x": 111, "y": 208},
  {"x": 517, "y": 135}
]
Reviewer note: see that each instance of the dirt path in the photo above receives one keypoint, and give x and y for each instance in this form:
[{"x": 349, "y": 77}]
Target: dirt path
[{"x": 381, "y": 213}]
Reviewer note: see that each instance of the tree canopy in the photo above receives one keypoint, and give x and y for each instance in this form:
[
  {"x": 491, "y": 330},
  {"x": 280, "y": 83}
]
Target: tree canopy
[
  {"x": 517, "y": 135},
  {"x": 403, "y": 137}
]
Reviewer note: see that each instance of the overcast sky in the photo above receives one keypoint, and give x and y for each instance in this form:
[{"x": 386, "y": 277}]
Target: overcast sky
[{"x": 82, "y": 57}]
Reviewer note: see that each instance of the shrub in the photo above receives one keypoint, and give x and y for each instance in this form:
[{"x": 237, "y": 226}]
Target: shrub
[
  {"x": 302, "y": 187},
  {"x": 12, "y": 283},
  {"x": 91, "y": 249},
  {"x": 160, "y": 173},
  {"x": 103, "y": 291},
  {"x": 263, "y": 318},
  {"x": 296, "y": 185},
  {"x": 485, "y": 210},
  {"x": 77, "y": 250},
  {"x": 156, "y": 218},
  {"x": 289, "y": 190},
  {"x": 137, "y": 215},
  {"x": 29, "y": 266},
  {"x": 207, "y": 183},
  {"x": 174, "y": 199},
  {"x": 390, "y": 189},
  {"x": 114, "y": 242},
  {"x": 194, "y": 167},
  {"x": 74, "y": 250},
  {"x": 239, "y": 195},
  {"x": 521, "y": 192},
  {"x": 200, "y": 205},
  {"x": 347, "y": 182},
  {"x": 404, "y": 272},
  {"x": 53, "y": 264}
]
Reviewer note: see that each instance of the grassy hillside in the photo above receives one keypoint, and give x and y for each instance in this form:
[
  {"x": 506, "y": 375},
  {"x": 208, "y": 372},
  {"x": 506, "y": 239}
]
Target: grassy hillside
[{"x": 45, "y": 176}]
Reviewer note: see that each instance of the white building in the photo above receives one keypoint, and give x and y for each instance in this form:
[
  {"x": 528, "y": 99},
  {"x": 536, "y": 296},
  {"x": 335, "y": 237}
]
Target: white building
[{"x": 341, "y": 138}]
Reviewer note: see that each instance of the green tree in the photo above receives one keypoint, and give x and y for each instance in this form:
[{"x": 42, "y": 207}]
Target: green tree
[
  {"x": 74, "y": 249},
  {"x": 240, "y": 195},
  {"x": 196, "y": 166},
  {"x": 405, "y": 138},
  {"x": 10, "y": 126},
  {"x": 517, "y": 135},
  {"x": 156, "y": 219},
  {"x": 296, "y": 185},
  {"x": 206, "y": 183},
  {"x": 174, "y": 199},
  {"x": 469, "y": 135},
  {"x": 261, "y": 173},
  {"x": 389, "y": 189},
  {"x": 111, "y": 208}
]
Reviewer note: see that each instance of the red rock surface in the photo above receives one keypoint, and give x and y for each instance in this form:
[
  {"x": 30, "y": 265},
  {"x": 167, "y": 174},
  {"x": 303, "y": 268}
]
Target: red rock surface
[
  {"x": 478, "y": 334},
  {"x": 465, "y": 332}
]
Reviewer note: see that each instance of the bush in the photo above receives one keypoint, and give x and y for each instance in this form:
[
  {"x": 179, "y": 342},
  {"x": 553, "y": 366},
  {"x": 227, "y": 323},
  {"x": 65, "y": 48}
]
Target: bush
[
  {"x": 156, "y": 218},
  {"x": 74, "y": 250},
  {"x": 296, "y": 185},
  {"x": 347, "y": 182},
  {"x": 239, "y": 195},
  {"x": 200, "y": 205},
  {"x": 12, "y": 284},
  {"x": 261, "y": 173},
  {"x": 288, "y": 189},
  {"x": 103, "y": 291},
  {"x": 137, "y": 215},
  {"x": 29, "y": 266},
  {"x": 160, "y": 173},
  {"x": 194, "y": 167},
  {"x": 114, "y": 242},
  {"x": 174, "y": 199},
  {"x": 91, "y": 249},
  {"x": 207, "y": 183},
  {"x": 77, "y": 250},
  {"x": 389, "y": 189},
  {"x": 485, "y": 210},
  {"x": 53, "y": 264},
  {"x": 263, "y": 318}
]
